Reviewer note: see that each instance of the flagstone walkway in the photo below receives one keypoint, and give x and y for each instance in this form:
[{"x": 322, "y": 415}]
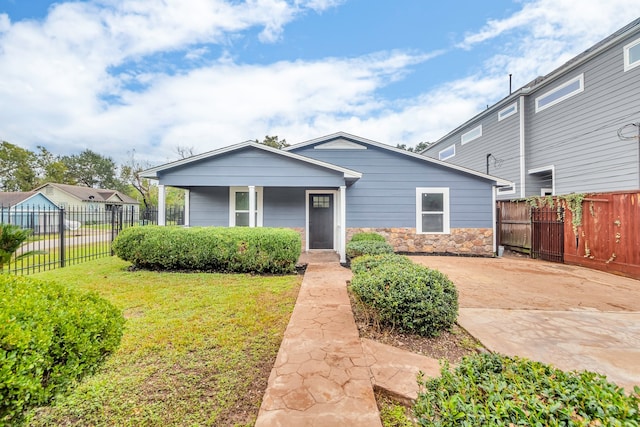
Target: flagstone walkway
[{"x": 324, "y": 374}]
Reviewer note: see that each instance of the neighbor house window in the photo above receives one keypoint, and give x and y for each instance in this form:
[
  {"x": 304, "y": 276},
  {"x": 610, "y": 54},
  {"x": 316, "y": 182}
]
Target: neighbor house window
[
  {"x": 632, "y": 55},
  {"x": 475, "y": 133},
  {"x": 507, "y": 112},
  {"x": 239, "y": 206},
  {"x": 560, "y": 93},
  {"x": 432, "y": 210},
  {"x": 447, "y": 153},
  {"x": 510, "y": 189}
]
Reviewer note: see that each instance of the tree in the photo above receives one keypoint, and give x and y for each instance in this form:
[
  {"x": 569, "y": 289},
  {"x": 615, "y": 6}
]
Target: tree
[
  {"x": 90, "y": 169},
  {"x": 17, "y": 168},
  {"x": 184, "y": 151},
  {"x": 130, "y": 173},
  {"x": 273, "y": 141},
  {"x": 419, "y": 148},
  {"x": 51, "y": 168}
]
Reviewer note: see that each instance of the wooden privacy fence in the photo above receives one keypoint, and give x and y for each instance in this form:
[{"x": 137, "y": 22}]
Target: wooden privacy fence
[{"x": 600, "y": 230}]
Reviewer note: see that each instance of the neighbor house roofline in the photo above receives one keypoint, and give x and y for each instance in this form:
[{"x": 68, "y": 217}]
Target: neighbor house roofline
[
  {"x": 498, "y": 181},
  {"x": 152, "y": 173},
  {"x": 80, "y": 193},
  {"x": 540, "y": 82},
  {"x": 17, "y": 197}
]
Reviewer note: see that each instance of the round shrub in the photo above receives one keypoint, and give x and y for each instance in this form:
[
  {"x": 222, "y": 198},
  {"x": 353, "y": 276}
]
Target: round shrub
[
  {"x": 239, "y": 249},
  {"x": 50, "y": 337},
  {"x": 411, "y": 297},
  {"x": 368, "y": 262},
  {"x": 496, "y": 390},
  {"x": 367, "y": 247},
  {"x": 359, "y": 237}
]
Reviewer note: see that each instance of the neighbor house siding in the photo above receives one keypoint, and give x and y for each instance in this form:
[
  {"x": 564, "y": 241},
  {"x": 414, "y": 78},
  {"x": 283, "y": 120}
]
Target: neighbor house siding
[
  {"x": 385, "y": 196},
  {"x": 579, "y": 135},
  {"x": 500, "y": 138},
  {"x": 251, "y": 166}
]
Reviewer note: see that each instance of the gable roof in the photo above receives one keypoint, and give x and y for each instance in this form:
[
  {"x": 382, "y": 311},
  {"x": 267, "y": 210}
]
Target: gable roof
[
  {"x": 542, "y": 81},
  {"x": 498, "y": 181},
  {"x": 17, "y": 197},
  {"x": 88, "y": 194},
  {"x": 152, "y": 173}
]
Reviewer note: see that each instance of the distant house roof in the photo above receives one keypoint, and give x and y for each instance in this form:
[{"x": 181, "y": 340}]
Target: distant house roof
[
  {"x": 17, "y": 197},
  {"x": 88, "y": 194}
]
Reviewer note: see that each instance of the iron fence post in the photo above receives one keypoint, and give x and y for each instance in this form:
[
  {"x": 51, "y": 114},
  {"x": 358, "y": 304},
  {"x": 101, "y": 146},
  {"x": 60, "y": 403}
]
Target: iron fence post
[{"x": 62, "y": 239}]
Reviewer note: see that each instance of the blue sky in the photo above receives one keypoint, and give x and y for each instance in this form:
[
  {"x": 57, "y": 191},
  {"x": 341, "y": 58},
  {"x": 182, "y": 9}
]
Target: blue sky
[{"x": 150, "y": 75}]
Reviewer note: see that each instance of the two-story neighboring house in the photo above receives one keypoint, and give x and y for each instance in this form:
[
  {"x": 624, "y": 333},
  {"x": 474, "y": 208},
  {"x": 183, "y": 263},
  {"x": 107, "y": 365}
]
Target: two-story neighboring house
[{"x": 560, "y": 133}]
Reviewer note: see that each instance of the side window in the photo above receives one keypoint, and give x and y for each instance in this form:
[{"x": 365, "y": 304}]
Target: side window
[{"x": 432, "y": 210}]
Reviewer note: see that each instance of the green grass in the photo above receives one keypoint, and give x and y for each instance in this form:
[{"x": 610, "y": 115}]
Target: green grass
[{"x": 197, "y": 348}]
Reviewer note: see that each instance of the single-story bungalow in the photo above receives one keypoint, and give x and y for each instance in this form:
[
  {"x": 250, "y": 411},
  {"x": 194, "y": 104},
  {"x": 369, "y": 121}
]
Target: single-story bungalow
[
  {"x": 29, "y": 209},
  {"x": 332, "y": 187}
]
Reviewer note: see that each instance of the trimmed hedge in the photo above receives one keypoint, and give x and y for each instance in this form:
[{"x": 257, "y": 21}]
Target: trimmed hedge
[
  {"x": 496, "y": 390},
  {"x": 50, "y": 337},
  {"x": 366, "y": 263},
  {"x": 409, "y": 296},
  {"x": 359, "y": 237},
  {"x": 367, "y": 247},
  {"x": 239, "y": 249}
]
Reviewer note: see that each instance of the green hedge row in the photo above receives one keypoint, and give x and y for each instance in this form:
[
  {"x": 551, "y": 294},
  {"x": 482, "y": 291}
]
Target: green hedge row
[
  {"x": 240, "y": 249},
  {"x": 50, "y": 336},
  {"x": 414, "y": 298},
  {"x": 496, "y": 390},
  {"x": 359, "y": 237}
]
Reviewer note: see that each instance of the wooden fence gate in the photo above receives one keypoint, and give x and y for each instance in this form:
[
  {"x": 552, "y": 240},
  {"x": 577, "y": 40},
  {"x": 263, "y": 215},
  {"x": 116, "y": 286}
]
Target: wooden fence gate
[{"x": 547, "y": 233}]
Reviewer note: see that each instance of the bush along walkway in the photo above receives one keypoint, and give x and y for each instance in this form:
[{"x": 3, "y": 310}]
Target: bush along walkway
[{"x": 323, "y": 374}]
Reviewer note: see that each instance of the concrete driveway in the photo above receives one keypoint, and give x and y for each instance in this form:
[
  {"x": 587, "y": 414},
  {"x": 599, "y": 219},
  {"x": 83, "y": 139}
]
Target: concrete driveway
[{"x": 571, "y": 317}]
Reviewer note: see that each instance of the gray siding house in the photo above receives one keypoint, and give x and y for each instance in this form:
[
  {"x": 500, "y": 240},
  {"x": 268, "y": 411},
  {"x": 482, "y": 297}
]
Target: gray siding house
[
  {"x": 559, "y": 134},
  {"x": 331, "y": 187}
]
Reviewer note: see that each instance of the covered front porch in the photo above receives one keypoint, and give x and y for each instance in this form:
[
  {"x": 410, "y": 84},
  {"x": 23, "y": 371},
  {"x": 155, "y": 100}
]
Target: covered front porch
[{"x": 318, "y": 213}]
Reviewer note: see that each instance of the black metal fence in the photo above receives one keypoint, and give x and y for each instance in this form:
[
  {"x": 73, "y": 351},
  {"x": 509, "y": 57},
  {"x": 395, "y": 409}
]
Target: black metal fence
[{"x": 62, "y": 237}]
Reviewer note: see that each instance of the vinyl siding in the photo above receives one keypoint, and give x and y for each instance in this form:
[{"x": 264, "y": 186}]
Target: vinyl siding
[
  {"x": 284, "y": 207},
  {"x": 385, "y": 196},
  {"x": 251, "y": 166},
  {"x": 209, "y": 206},
  {"x": 501, "y": 138},
  {"x": 579, "y": 135}
]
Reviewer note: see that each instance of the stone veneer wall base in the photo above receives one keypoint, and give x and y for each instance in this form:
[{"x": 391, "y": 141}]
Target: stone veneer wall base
[{"x": 461, "y": 241}]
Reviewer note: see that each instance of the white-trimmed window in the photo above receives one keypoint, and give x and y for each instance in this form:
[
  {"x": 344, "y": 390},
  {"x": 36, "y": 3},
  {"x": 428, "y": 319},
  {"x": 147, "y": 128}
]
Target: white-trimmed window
[
  {"x": 447, "y": 153},
  {"x": 507, "y": 112},
  {"x": 632, "y": 55},
  {"x": 474, "y": 133},
  {"x": 432, "y": 210},
  {"x": 510, "y": 189},
  {"x": 239, "y": 206},
  {"x": 560, "y": 93}
]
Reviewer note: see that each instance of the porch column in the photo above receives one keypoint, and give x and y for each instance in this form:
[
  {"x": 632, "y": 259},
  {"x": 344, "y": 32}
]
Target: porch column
[
  {"x": 252, "y": 206},
  {"x": 162, "y": 219},
  {"x": 187, "y": 207},
  {"x": 342, "y": 239}
]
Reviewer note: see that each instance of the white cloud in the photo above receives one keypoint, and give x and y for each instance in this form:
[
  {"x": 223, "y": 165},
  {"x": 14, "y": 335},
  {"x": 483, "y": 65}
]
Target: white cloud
[{"x": 82, "y": 77}]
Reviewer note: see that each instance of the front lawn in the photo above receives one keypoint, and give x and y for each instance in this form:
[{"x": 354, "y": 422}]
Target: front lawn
[{"x": 197, "y": 348}]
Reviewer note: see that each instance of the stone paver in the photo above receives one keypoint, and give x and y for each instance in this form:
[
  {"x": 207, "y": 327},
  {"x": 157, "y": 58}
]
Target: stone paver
[
  {"x": 395, "y": 371},
  {"x": 320, "y": 377}
]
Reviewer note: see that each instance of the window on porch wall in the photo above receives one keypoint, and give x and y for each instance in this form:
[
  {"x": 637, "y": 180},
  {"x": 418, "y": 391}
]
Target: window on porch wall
[{"x": 240, "y": 207}]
